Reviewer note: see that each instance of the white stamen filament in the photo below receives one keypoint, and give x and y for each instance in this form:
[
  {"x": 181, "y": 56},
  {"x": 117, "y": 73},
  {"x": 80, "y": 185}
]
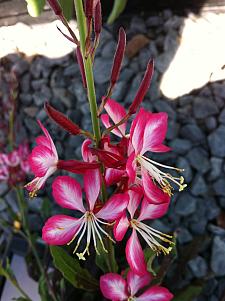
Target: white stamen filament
[
  {"x": 160, "y": 176},
  {"x": 149, "y": 235},
  {"x": 90, "y": 224}
]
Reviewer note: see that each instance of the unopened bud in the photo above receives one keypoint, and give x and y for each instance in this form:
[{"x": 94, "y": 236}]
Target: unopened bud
[
  {"x": 62, "y": 120},
  {"x": 144, "y": 86},
  {"x": 89, "y": 8},
  {"x": 118, "y": 58},
  {"x": 97, "y": 18},
  {"x": 81, "y": 65},
  {"x": 56, "y": 7}
]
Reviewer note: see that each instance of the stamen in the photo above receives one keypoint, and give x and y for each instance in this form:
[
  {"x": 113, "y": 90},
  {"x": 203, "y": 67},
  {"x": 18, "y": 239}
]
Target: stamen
[
  {"x": 161, "y": 177},
  {"x": 149, "y": 235}
]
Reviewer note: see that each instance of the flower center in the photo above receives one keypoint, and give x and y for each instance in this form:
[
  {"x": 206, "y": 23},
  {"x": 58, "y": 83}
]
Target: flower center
[
  {"x": 91, "y": 226},
  {"x": 162, "y": 178},
  {"x": 152, "y": 237}
]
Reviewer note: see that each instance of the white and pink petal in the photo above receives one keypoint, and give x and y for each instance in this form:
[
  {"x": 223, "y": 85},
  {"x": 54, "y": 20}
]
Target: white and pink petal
[
  {"x": 152, "y": 210},
  {"x": 60, "y": 229},
  {"x": 121, "y": 226},
  {"x": 92, "y": 185},
  {"x": 114, "y": 207},
  {"x": 113, "y": 287},
  {"x": 135, "y": 255},
  {"x": 136, "y": 282},
  {"x": 156, "y": 293},
  {"x": 67, "y": 193}
]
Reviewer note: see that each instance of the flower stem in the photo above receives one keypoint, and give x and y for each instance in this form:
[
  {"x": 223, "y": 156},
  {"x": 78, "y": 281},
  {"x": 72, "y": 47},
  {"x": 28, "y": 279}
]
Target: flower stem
[
  {"x": 82, "y": 26},
  {"x": 88, "y": 67}
]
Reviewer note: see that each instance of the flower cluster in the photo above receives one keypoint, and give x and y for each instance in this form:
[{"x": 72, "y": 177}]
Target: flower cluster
[
  {"x": 14, "y": 166},
  {"x": 118, "y": 161}
]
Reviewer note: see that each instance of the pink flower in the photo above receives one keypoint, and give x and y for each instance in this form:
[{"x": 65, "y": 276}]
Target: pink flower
[
  {"x": 147, "y": 133},
  {"x": 43, "y": 161},
  {"x": 116, "y": 288},
  {"x": 134, "y": 220},
  {"x": 62, "y": 229}
]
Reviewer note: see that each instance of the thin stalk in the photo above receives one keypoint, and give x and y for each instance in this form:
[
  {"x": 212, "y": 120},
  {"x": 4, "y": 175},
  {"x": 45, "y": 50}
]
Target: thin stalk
[
  {"x": 88, "y": 67},
  {"x": 82, "y": 26},
  {"x": 30, "y": 240}
]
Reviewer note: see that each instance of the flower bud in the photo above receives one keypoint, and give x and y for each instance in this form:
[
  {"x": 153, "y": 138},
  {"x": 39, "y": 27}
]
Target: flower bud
[
  {"x": 81, "y": 65},
  {"x": 89, "y": 8},
  {"x": 75, "y": 166},
  {"x": 118, "y": 57},
  {"x": 144, "y": 86},
  {"x": 97, "y": 18},
  {"x": 62, "y": 120},
  {"x": 55, "y": 6}
]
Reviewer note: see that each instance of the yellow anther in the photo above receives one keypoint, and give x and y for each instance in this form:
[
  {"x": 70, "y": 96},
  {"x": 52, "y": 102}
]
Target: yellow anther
[
  {"x": 17, "y": 225},
  {"x": 80, "y": 256}
]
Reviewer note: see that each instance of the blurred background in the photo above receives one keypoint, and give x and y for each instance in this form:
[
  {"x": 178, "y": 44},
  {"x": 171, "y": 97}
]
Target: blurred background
[{"x": 186, "y": 40}]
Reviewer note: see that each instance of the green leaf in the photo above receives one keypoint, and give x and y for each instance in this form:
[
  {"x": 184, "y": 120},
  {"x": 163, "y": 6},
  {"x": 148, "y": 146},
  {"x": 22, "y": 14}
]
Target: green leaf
[
  {"x": 67, "y": 7},
  {"x": 43, "y": 289},
  {"x": 189, "y": 293},
  {"x": 72, "y": 271},
  {"x": 118, "y": 7},
  {"x": 149, "y": 258},
  {"x": 35, "y": 7}
]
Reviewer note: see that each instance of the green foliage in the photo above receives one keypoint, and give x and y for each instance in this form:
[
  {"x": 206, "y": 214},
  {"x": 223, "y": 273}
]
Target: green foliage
[
  {"x": 149, "y": 257},
  {"x": 43, "y": 289},
  {"x": 35, "y": 7},
  {"x": 102, "y": 260},
  {"x": 72, "y": 271},
  {"x": 118, "y": 7},
  {"x": 189, "y": 293}
]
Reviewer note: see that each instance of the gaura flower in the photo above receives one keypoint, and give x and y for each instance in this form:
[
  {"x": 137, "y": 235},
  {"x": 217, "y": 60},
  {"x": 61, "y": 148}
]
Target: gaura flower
[
  {"x": 147, "y": 133},
  {"x": 62, "y": 229},
  {"x": 114, "y": 287},
  {"x": 134, "y": 220},
  {"x": 43, "y": 161}
]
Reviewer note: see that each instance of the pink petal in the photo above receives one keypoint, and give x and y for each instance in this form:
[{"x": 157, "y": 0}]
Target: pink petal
[
  {"x": 136, "y": 282},
  {"x": 67, "y": 193},
  {"x": 41, "y": 159},
  {"x": 105, "y": 120},
  {"x": 134, "y": 201},
  {"x": 86, "y": 152},
  {"x": 113, "y": 176},
  {"x": 137, "y": 129},
  {"x": 152, "y": 191},
  {"x": 114, "y": 207},
  {"x": 160, "y": 148},
  {"x": 42, "y": 140},
  {"x": 131, "y": 167},
  {"x": 113, "y": 287},
  {"x": 156, "y": 293},
  {"x": 51, "y": 143},
  {"x": 152, "y": 211},
  {"x": 120, "y": 227},
  {"x": 92, "y": 186},
  {"x": 135, "y": 255},
  {"x": 155, "y": 131},
  {"x": 60, "y": 229},
  {"x": 116, "y": 113}
]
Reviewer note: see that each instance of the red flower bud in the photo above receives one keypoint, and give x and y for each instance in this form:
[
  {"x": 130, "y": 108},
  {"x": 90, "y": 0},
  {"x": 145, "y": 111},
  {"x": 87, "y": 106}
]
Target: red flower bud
[
  {"x": 62, "y": 120},
  {"x": 89, "y": 8},
  {"x": 144, "y": 86},
  {"x": 76, "y": 166},
  {"x": 118, "y": 57},
  {"x": 81, "y": 65},
  {"x": 97, "y": 18},
  {"x": 56, "y": 7}
]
